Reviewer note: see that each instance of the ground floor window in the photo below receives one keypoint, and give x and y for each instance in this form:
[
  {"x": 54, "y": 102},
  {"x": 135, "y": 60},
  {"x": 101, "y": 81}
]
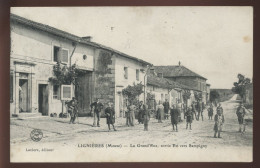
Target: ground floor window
[{"x": 56, "y": 92}]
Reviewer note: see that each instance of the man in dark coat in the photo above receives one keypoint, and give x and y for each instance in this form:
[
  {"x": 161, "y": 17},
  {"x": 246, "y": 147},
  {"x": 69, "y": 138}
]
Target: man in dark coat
[
  {"x": 240, "y": 117},
  {"x": 110, "y": 115},
  {"x": 210, "y": 112},
  {"x": 72, "y": 110},
  {"x": 141, "y": 112},
  {"x": 166, "y": 106},
  {"x": 97, "y": 109},
  {"x": 188, "y": 115},
  {"x": 175, "y": 117}
]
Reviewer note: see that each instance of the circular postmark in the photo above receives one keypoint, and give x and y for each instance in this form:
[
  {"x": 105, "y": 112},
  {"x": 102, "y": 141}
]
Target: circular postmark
[{"x": 36, "y": 135}]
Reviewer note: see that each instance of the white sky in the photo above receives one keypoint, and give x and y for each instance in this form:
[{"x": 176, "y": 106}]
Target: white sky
[{"x": 215, "y": 42}]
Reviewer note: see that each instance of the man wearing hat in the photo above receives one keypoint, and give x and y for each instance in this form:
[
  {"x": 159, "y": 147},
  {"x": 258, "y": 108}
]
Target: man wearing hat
[
  {"x": 110, "y": 115},
  {"x": 240, "y": 116},
  {"x": 97, "y": 109}
]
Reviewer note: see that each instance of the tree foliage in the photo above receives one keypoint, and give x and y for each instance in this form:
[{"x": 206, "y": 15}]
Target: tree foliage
[
  {"x": 239, "y": 86},
  {"x": 64, "y": 75},
  {"x": 132, "y": 92}
]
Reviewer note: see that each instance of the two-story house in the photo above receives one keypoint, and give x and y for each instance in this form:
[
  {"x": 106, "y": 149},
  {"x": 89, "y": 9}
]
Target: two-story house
[
  {"x": 36, "y": 48},
  {"x": 183, "y": 75}
]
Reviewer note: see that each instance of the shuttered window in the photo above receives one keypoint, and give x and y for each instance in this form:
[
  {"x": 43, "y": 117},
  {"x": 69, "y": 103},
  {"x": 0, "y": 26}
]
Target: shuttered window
[
  {"x": 60, "y": 55},
  {"x": 64, "y": 56}
]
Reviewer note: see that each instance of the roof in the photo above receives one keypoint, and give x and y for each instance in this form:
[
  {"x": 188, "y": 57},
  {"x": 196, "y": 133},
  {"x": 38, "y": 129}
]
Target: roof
[
  {"x": 70, "y": 36},
  {"x": 163, "y": 82},
  {"x": 176, "y": 71}
]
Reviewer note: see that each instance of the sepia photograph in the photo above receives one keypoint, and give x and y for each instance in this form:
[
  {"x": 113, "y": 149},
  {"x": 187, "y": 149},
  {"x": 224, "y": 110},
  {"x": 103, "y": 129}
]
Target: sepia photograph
[{"x": 131, "y": 84}]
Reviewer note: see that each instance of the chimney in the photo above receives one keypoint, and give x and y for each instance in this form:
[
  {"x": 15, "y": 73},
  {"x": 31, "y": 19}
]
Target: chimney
[
  {"x": 87, "y": 38},
  {"x": 179, "y": 63}
]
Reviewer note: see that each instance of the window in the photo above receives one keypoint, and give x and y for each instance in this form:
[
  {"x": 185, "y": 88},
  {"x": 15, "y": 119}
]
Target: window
[
  {"x": 56, "y": 54},
  {"x": 126, "y": 72},
  {"x": 137, "y": 74},
  {"x": 56, "y": 92},
  {"x": 60, "y": 55},
  {"x": 64, "y": 56},
  {"x": 66, "y": 92},
  {"x": 11, "y": 88}
]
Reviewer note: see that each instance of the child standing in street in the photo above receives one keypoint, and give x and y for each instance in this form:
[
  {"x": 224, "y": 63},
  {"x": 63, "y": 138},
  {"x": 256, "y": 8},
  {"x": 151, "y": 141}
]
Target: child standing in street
[
  {"x": 219, "y": 121},
  {"x": 188, "y": 115}
]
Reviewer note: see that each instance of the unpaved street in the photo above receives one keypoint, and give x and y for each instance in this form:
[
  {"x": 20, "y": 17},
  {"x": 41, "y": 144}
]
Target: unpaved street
[{"x": 58, "y": 131}]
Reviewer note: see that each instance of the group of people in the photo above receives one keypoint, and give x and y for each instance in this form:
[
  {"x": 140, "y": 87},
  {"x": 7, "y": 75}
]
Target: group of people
[{"x": 192, "y": 112}]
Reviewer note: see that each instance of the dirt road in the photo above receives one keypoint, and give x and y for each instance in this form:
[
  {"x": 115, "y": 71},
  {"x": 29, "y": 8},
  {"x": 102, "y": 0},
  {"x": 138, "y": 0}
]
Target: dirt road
[{"x": 159, "y": 133}]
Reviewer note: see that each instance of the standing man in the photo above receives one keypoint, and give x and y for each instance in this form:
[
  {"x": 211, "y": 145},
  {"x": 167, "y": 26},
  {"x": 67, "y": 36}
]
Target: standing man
[
  {"x": 160, "y": 111},
  {"x": 240, "y": 116},
  {"x": 97, "y": 109},
  {"x": 174, "y": 117},
  {"x": 188, "y": 115},
  {"x": 146, "y": 117},
  {"x": 141, "y": 113},
  {"x": 110, "y": 115},
  {"x": 166, "y": 106},
  {"x": 210, "y": 111},
  {"x": 219, "y": 121},
  {"x": 72, "y": 109},
  {"x": 131, "y": 114}
]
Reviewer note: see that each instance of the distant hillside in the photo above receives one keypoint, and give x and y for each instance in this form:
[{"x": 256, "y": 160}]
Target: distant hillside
[{"x": 225, "y": 94}]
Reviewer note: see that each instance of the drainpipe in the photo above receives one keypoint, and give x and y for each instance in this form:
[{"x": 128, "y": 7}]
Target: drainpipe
[
  {"x": 75, "y": 45},
  {"x": 148, "y": 67}
]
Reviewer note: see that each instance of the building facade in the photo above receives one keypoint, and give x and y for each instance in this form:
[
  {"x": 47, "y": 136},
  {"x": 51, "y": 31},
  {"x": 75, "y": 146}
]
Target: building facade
[
  {"x": 35, "y": 50},
  {"x": 183, "y": 75}
]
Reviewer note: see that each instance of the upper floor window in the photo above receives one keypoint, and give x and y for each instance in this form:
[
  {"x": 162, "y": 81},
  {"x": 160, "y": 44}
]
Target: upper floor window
[
  {"x": 125, "y": 72},
  {"x": 137, "y": 74},
  {"x": 60, "y": 55}
]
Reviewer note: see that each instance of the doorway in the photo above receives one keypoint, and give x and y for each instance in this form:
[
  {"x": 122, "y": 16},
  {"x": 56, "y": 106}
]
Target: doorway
[
  {"x": 43, "y": 102},
  {"x": 23, "y": 95}
]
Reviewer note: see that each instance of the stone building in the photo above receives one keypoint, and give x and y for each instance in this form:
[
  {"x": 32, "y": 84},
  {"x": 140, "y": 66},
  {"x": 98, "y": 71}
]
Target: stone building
[
  {"x": 183, "y": 75},
  {"x": 36, "y": 48}
]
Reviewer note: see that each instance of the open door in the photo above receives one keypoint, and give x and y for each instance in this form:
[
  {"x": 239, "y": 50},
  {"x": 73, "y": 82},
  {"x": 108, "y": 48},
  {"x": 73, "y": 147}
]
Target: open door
[{"x": 43, "y": 99}]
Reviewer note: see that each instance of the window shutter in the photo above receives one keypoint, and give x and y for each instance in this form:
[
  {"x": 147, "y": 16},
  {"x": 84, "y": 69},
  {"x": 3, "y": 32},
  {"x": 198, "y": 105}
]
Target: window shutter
[
  {"x": 64, "y": 56},
  {"x": 66, "y": 92}
]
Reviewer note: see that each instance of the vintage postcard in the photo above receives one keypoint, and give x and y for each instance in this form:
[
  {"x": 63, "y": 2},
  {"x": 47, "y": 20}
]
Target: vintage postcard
[{"x": 131, "y": 84}]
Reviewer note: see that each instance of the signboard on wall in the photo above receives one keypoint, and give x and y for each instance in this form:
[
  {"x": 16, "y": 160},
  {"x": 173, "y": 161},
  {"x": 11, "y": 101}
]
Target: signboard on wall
[{"x": 66, "y": 92}]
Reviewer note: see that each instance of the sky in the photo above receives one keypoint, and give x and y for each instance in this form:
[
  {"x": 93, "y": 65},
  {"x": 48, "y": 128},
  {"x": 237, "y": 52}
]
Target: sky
[{"x": 215, "y": 42}]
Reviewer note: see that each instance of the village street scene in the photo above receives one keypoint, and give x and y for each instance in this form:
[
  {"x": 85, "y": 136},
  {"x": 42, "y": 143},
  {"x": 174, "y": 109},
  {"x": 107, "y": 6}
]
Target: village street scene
[{"x": 71, "y": 91}]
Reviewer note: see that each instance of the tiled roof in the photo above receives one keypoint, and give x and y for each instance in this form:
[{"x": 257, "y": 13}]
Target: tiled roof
[
  {"x": 163, "y": 82},
  {"x": 176, "y": 71},
  {"x": 69, "y": 36}
]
